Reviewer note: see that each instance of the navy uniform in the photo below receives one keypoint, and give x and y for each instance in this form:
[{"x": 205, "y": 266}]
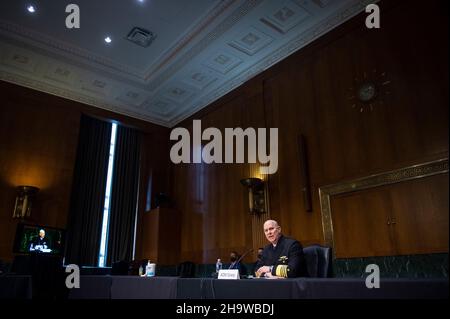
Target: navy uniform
[
  {"x": 286, "y": 258},
  {"x": 41, "y": 243}
]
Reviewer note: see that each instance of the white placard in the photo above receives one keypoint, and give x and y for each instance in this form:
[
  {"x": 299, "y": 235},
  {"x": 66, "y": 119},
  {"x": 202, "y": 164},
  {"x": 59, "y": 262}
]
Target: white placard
[{"x": 228, "y": 274}]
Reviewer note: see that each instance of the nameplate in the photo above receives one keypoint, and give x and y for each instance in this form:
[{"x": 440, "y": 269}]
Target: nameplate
[{"x": 228, "y": 274}]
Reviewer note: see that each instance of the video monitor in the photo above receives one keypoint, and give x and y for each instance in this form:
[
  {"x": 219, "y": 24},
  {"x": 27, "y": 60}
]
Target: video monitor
[{"x": 39, "y": 239}]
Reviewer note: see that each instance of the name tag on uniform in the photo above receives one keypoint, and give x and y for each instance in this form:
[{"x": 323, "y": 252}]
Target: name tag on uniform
[{"x": 228, "y": 274}]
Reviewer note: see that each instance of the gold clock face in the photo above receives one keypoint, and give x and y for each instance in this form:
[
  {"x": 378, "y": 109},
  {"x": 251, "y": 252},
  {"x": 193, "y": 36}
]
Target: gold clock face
[{"x": 367, "y": 92}]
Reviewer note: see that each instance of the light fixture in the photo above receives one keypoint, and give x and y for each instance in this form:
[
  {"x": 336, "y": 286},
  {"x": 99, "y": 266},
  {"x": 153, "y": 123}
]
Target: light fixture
[
  {"x": 256, "y": 195},
  {"x": 31, "y": 8},
  {"x": 108, "y": 40},
  {"x": 24, "y": 199}
]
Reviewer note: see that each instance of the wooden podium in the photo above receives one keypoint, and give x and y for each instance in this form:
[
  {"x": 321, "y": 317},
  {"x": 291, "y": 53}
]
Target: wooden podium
[{"x": 161, "y": 228}]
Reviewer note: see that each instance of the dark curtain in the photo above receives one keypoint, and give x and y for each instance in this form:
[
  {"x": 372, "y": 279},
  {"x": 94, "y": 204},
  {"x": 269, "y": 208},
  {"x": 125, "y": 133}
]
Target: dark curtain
[
  {"x": 88, "y": 192},
  {"x": 124, "y": 195}
]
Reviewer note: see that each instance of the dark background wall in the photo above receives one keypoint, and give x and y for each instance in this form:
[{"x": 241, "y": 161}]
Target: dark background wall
[
  {"x": 38, "y": 138},
  {"x": 312, "y": 93},
  {"x": 309, "y": 93}
]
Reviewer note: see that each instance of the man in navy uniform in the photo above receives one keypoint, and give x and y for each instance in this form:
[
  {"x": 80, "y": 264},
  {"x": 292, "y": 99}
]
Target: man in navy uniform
[
  {"x": 283, "y": 257},
  {"x": 41, "y": 243}
]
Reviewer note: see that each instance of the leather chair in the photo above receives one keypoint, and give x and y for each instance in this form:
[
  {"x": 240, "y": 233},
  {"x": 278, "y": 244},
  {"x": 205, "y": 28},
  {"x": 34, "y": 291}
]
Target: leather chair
[
  {"x": 119, "y": 268},
  {"x": 318, "y": 261},
  {"x": 133, "y": 268},
  {"x": 186, "y": 270}
]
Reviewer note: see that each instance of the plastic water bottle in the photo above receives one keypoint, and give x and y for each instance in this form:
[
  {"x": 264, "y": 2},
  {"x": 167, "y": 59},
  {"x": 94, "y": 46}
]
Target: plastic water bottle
[
  {"x": 218, "y": 265},
  {"x": 141, "y": 270},
  {"x": 147, "y": 269}
]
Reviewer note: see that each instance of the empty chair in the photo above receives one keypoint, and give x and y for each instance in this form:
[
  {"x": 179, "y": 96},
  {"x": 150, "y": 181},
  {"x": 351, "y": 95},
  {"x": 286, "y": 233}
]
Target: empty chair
[
  {"x": 134, "y": 266},
  {"x": 318, "y": 261},
  {"x": 120, "y": 268},
  {"x": 186, "y": 269}
]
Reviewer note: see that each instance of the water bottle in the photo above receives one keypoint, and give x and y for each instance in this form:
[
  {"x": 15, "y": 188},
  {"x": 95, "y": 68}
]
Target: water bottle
[
  {"x": 218, "y": 265},
  {"x": 148, "y": 269},
  {"x": 141, "y": 270}
]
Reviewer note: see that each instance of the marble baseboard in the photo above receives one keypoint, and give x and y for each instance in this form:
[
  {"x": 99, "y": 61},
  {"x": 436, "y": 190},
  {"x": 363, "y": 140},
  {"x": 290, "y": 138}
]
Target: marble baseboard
[{"x": 408, "y": 266}]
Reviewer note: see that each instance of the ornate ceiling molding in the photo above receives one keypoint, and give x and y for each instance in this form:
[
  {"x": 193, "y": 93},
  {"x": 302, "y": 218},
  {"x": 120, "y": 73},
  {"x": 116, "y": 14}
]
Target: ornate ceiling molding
[
  {"x": 216, "y": 55},
  {"x": 292, "y": 46},
  {"x": 195, "y": 31},
  {"x": 218, "y": 31},
  {"x": 78, "y": 97},
  {"x": 32, "y": 37}
]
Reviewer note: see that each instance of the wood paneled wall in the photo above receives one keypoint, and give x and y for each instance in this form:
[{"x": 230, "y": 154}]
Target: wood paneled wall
[
  {"x": 39, "y": 142},
  {"x": 214, "y": 207},
  {"x": 312, "y": 93},
  {"x": 309, "y": 93},
  {"x": 38, "y": 138},
  {"x": 400, "y": 219},
  {"x": 160, "y": 241}
]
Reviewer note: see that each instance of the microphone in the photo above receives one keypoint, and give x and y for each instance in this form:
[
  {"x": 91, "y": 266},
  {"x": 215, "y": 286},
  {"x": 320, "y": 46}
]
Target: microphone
[{"x": 240, "y": 258}]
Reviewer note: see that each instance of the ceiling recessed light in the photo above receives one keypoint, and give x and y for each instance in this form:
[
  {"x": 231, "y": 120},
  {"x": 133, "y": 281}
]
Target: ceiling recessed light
[
  {"x": 31, "y": 9},
  {"x": 108, "y": 40}
]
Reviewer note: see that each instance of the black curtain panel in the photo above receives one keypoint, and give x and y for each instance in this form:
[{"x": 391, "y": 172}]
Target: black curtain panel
[
  {"x": 88, "y": 192},
  {"x": 124, "y": 195}
]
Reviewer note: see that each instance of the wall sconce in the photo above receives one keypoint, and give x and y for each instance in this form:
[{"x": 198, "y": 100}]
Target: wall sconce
[
  {"x": 24, "y": 200},
  {"x": 256, "y": 195}
]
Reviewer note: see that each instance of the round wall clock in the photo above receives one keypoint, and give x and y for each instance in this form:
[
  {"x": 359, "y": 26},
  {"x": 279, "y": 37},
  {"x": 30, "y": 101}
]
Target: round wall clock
[{"x": 369, "y": 90}]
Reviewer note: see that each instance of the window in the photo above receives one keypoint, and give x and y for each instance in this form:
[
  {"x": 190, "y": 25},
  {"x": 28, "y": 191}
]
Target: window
[{"x": 106, "y": 208}]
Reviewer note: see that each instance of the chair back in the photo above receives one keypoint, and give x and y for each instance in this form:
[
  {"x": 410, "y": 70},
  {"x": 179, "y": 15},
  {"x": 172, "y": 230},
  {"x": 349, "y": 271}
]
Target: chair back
[
  {"x": 318, "y": 261},
  {"x": 119, "y": 268}
]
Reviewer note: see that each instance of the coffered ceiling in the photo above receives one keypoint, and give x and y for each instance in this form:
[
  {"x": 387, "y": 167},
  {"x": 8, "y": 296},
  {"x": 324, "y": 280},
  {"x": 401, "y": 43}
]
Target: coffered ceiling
[{"x": 198, "y": 50}]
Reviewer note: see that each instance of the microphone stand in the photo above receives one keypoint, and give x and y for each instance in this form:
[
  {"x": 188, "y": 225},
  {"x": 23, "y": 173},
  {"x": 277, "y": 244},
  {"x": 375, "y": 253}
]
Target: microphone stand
[{"x": 240, "y": 258}]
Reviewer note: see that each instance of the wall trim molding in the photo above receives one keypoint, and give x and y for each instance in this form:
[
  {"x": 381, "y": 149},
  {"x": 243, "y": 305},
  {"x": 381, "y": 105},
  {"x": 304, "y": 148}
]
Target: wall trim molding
[{"x": 417, "y": 171}]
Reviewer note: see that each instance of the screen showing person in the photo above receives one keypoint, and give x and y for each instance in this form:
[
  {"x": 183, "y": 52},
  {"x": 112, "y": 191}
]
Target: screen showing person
[
  {"x": 41, "y": 243},
  {"x": 31, "y": 239}
]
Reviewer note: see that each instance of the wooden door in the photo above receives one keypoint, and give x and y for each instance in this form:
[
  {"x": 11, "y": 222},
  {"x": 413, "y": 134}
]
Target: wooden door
[
  {"x": 360, "y": 224},
  {"x": 420, "y": 215}
]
